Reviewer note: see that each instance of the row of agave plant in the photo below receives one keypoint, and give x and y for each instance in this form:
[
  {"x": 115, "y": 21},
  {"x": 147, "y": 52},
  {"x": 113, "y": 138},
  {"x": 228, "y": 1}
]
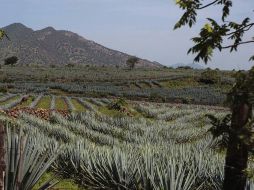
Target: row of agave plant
[
  {"x": 13, "y": 103},
  {"x": 87, "y": 103},
  {"x": 121, "y": 167},
  {"x": 101, "y": 152}
]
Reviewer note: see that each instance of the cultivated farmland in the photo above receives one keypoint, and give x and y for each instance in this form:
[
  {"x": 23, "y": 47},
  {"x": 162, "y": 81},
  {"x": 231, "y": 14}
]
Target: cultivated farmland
[
  {"x": 146, "y": 130},
  {"x": 167, "y": 147}
]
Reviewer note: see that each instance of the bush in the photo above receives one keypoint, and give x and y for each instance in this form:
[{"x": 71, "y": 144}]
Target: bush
[
  {"x": 118, "y": 104},
  {"x": 3, "y": 89},
  {"x": 70, "y": 65},
  {"x": 184, "y": 67},
  {"x": 11, "y": 60},
  {"x": 52, "y": 66},
  {"x": 154, "y": 96},
  {"x": 210, "y": 77}
]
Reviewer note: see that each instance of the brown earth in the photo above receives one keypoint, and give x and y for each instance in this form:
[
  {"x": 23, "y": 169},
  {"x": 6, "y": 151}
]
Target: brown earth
[{"x": 41, "y": 113}]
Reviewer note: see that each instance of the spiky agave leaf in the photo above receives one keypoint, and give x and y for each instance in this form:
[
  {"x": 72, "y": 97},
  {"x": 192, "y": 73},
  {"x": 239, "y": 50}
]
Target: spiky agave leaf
[
  {"x": 27, "y": 158},
  {"x": 177, "y": 176}
]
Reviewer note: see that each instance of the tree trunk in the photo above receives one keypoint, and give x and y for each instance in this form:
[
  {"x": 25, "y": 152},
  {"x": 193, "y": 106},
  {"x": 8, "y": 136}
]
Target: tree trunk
[
  {"x": 237, "y": 152},
  {"x": 2, "y": 156}
]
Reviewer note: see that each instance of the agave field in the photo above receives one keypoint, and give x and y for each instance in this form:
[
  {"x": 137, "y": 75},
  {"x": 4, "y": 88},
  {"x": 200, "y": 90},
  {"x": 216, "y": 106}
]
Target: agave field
[
  {"x": 98, "y": 141},
  {"x": 52, "y": 102},
  {"x": 167, "y": 85},
  {"x": 168, "y": 146}
]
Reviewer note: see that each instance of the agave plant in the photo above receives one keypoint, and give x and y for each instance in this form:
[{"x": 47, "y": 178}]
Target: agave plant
[
  {"x": 53, "y": 102},
  {"x": 135, "y": 153},
  {"x": 28, "y": 157},
  {"x": 36, "y": 101},
  {"x": 70, "y": 106},
  {"x": 13, "y": 103}
]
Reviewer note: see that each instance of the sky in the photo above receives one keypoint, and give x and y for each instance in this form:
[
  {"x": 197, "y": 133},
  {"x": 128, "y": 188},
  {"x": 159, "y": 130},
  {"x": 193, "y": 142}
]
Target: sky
[{"x": 143, "y": 28}]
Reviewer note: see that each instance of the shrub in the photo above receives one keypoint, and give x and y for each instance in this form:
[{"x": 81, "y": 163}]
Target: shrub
[
  {"x": 184, "y": 67},
  {"x": 154, "y": 96},
  {"x": 11, "y": 60},
  {"x": 3, "y": 89},
  {"x": 118, "y": 104},
  {"x": 52, "y": 66},
  {"x": 70, "y": 65},
  {"x": 210, "y": 77}
]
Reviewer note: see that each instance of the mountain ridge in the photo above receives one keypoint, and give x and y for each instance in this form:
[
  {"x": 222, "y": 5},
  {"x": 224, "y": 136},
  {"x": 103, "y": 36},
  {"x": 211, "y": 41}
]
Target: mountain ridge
[{"x": 51, "y": 46}]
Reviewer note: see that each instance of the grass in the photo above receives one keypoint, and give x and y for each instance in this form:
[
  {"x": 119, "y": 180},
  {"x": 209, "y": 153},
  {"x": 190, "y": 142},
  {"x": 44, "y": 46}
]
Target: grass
[
  {"x": 115, "y": 113},
  {"x": 110, "y": 112},
  {"x": 44, "y": 102},
  {"x": 60, "y": 104},
  {"x": 9, "y": 100},
  {"x": 65, "y": 184},
  {"x": 146, "y": 85},
  {"x": 77, "y": 105},
  {"x": 180, "y": 83},
  {"x": 26, "y": 103},
  {"x": 57, "y": 92}
]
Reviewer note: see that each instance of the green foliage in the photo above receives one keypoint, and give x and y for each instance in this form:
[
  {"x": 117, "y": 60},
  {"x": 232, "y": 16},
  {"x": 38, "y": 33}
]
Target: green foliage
[
  {"x": 3, "y": 89},
  {"x": 62, "y": 184},
  {"x": 131, "y": 62},
  {"x": 118, "y": 104},
  {"x": 180, "y": 83},
  {"x": 184, "y": 67},
  {"x": 220, "y": 126},
  {"x": 60, "y": 104},
  {"x": 3, "y": 34},
  {"x": 214, "y": 33},
  {"x": 243, "y": 90},
  {"x": 210, "y": 38},
  {"x": 210, "y": 77},
  {"x": 11, "y": 60},
  {"x": 157, "y": 97},
  {"x": 70, "y": 65},
  {"x": 44, "y": 102}
]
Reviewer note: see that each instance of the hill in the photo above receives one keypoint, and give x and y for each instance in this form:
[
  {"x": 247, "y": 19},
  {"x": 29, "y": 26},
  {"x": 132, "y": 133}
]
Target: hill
[{"x": 50, "y": 46}]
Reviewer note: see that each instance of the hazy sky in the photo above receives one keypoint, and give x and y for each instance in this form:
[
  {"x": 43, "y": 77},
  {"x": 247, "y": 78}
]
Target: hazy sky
[{"x": 139, "y": 27}]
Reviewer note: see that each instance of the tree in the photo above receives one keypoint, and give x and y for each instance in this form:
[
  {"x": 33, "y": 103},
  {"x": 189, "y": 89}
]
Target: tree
[
  {"x": 210, "y": 76},
  {"x": 11, "y": 60},
  {"x": 131, "y": 62},
  {"x": 213, "y": 36}
]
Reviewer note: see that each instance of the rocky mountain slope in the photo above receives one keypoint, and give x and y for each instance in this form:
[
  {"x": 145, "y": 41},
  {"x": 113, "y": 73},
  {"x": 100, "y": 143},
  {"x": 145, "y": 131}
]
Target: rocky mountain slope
[{"x": 50, "y": 46}]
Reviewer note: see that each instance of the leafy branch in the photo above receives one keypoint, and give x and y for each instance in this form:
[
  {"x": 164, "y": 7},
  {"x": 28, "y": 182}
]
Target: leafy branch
[
  {"x": 213, "y": 35},
  {"x": 3, "y": 34}
]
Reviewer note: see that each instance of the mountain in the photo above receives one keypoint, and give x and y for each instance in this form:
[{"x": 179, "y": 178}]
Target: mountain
[
  {"x": 50, "y": 46},
  {"x": 192, "y": 65}
]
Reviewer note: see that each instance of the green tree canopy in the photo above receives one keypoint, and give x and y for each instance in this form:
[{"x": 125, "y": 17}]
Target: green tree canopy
[
  {"x": 11, "y": 60},
  {"x": 131, "y": 62},
  {"x": 215, "y": 34}
]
